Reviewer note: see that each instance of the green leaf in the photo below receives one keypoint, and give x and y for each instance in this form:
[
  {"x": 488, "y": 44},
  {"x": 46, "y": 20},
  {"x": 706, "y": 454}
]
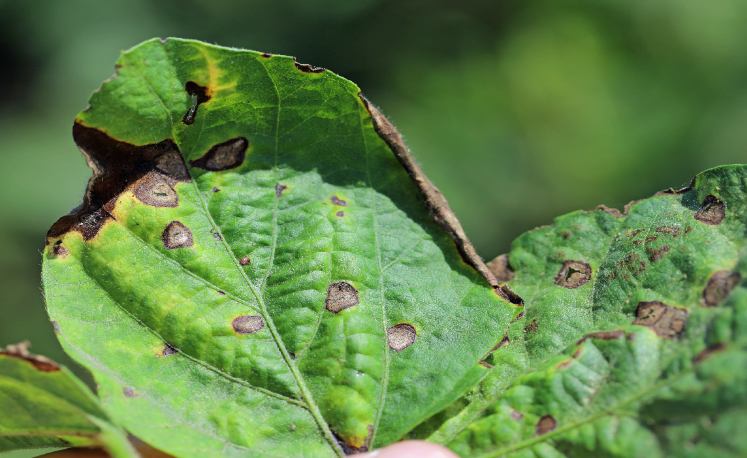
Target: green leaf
[
  {"x": 259, "y": 267},
  {"x": 634, "y": 336},
  {"x": 45, "y": 405}
]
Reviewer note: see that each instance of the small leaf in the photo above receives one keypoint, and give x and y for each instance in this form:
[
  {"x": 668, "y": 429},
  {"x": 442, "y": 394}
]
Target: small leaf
[
  {"x": 45, "y": 405},
  {"x": 259, "y": 267}
]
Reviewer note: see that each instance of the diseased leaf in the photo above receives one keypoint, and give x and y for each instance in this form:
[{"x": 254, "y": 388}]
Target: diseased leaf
[
  {"x": 45, "y": 405},
  {"x": 634, "y": 336},
  {"x": 259, "y": 267}
]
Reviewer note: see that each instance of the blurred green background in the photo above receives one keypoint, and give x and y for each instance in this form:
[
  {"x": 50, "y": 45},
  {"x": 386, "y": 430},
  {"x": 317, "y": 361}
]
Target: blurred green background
[{"x": 518, "y": 110}]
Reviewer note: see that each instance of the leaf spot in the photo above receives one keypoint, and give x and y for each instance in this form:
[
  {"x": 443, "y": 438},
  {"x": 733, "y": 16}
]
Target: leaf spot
[
  {"x": 603, "y": 335},
  {"x": 129, "y": 392},
  {"x": 223, "y": 156},
  {"x": 546, "y": 424},
  {"x": 59, "y": 250},
  {"x": 169, "y": 350},
  {"x": 655, "y": 254},
  {"x": 401, "y": 336},
  {"x": 337, "y": 201},
  {"x": 667, "y": 322},
  {"x": 533, "y": 326},
  {"x": 719, "y": 286},
  {"x": 340, "y": 296},
  {"x": 153, "y": 190},
  {"x": 176, "y": 235},
  {"x": 340, "y": 214},
  {"x": 573, "y": 274},
  {"x": 279, "y": 188},
  {"x": 712, "y": 211},
  {"x": 248, "y": 324},
  {"x": 199, "y": 96},
  {"x": 245, "y": 261},
  {"x": 306, "y": 68}
]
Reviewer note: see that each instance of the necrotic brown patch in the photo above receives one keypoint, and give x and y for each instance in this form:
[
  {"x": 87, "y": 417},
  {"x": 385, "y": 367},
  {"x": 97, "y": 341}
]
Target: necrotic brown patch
[
  {"x": 533, "y": 326},
  {"x": 546, "y": 424},
  {"x": 340, "y": 214},
  {"x": 400, "y": 336},
  {"x": 223, "y": 156},
  {"x": 573, "y": 274},
  {"x": 245, "y": 261},
  {"x": 712, "y": 211},
  {"x": 176, "y": 235},
  {"x": 153, "y": 189},
  {"x": 719, "y": 286},
  {"x": 247, "y": 324},
  {"x": 667, "y": 322},
  {"x": 117, "y": 166},
  {"x": 199, "y": 96},
  {"x": 340, "y": 296},
  {"x": 501, "y": 269},
  {"x": 337, "y": 201}
]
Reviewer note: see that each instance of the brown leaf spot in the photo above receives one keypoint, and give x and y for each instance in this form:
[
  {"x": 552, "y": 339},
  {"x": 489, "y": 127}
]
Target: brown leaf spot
[
  {"x": 516, "y": 415},
  {"x": 651, "y": 238},
  {"x": 400, "y": 336},
  {"x": 655, "y": 254},
  {"x": 501, "y": 269},
  {"x": 245, "y": 261},
  {"x": 340, "y": 296},
  {"x": 517, "y": 318},
  {"x": 719, "y": 286},
  {"x": 129, "y": 392},
  {"x": 56, "y": 327},
  {"x": 306, "y": 68},
  {"x": 603, "y": 335},
  {"x": 634, "y": 232},
  {"x": 200, "y": 95},
  {"x": 153, "y": 189},
  {"x": 505, "y": 293},
  {"x": 176, "y": 235},
  {"x": 279, "y": 188},
  {"x": 337, "y": 201},
  {"x": 223, "y": 156},
  {"x": 667, "y": 322},
  {"x": 168, "y": 350},
  {"x": 674, "y": 231},
  {"x": 340, "y": 214},
  {"x": 634, "y": 264},
  {"x": 266, "y": 55},
  {"x": 708, "y": 351},
  {"x": 712, "y": 211},
  {"x": 217, "y": 237},
  {"x": 545, "y": 424},
  {"x": 573, "y": 274},
  {"x": 216, "y": 189},
  {"x": 672, "y": 191},
  {"x": 532, "y": 327},
  {"x": 59, "y": 250},
  {"x": 248, "y": 324},
  {"x": 486, "y": 364}
]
